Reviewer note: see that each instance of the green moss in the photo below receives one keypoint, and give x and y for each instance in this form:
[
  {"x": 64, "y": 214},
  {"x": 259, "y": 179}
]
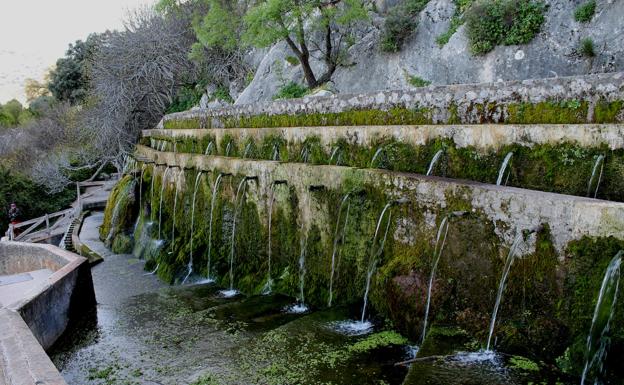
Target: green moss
[
  {"x": 523, "y": 364},
  {"x": 585, "y": 12},
  {"x": 378, "y": 340},
  {"x": 120, "y": 210},
  {"x": 570, "y": 111},
  {"x": 122, "y": 244}
]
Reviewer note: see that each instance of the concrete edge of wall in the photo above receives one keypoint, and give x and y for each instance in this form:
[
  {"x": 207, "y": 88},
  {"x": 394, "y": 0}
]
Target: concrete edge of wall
[
  {"x": 22, "y": 359},
  {"x": 42, "y": 317}
]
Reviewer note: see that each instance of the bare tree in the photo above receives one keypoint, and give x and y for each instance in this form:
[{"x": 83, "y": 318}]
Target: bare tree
[{"x": 135, "y": 74}]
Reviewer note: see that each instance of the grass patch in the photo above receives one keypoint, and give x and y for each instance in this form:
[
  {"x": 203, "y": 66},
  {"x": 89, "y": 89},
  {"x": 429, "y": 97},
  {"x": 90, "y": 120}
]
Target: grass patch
[
  {"x": 416, "y": 81},
  {"x": 585, "y": 12},
  {"x": 586, "y": 47},
  {"x": 291, "y": 90}
]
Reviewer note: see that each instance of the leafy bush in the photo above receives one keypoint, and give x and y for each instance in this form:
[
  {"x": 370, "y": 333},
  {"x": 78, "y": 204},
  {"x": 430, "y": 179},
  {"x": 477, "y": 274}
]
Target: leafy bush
[
  {"x": 586, "y": 47},
  {"x": 291, "y": 90},
  {"x": 222, "y": 93},
  {"x": 186, "y": 98},
  {"x": 400, "y": 24},
  {"x": 293, "y": 61},
  {"x": 494, "y": 22},
  {"x": 585, "y": 12}
]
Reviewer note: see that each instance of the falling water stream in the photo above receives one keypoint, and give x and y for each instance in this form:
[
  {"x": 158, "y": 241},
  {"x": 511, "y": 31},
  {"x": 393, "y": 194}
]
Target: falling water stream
[
  {"x": 599, "y": 162},
  {"x": 268, "y": 286},
  {"x": 337, "y": 236},
  {"x": 175, "y": 208},
  {"x": 374, "y": 254},
  {"x": 228, "y": 148},
  {"x": 377, "y": 153},
  {"x": 213, "y": 199},
  {"x": 437, "y": 253},
  {"x": 276, "y": 152},
  {"x": 239, "y": 201},
  {"x": 513, "y": 253},
  {"x": 141, "y": 187},
  {"x": 434, "y": 161},
  {"x": 190, "y": 264},
  {"x": 501, "y": 172},
  {"x": 162, "y": 193},
  {"x": 209, "y": 148},
  {"x": 333, "y": 155},
  {"x": 598, "y": 337},
  {"x": 247, "y": 150}
]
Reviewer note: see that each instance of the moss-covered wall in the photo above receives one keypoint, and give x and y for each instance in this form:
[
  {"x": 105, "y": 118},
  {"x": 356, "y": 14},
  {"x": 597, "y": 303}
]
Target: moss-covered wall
[
  {"x": 555, "y": 161},
  {"x": 545, "y": 310}
]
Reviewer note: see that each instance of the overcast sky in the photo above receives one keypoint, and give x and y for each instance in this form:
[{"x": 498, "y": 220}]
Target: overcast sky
[{"x": 34, "y": 33}]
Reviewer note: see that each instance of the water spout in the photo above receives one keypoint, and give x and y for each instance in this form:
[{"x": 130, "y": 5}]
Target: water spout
[
  {"x": 598, "y": 337},
  {"x": 238, "y": 202},
  {"x": 434, "y": 161},
  {"x": 141, "y": 187},
  {"x": 247, "y": 150},
  {"x": 215, "y": 189},
  {"x": 501, "y": 172},
  {"x": 377, "y": 153},
  {"x": 209, "y": 148},
  {"x": 175, "y": 209},
  {"x": 372, "y": 264},
  {"x": 337, "y": 237},
  {"x": 599, "y": 162},
  {"x": 305, "y": 154},
  {"x": 513, "y": 253},
  {"x": 276, "y": 152},
  {"x": 333, "y": 155},
  {"x": 228, "y": 148},
  {"x": 190, "y": 264},
  {"x": 268, "y": 286},
  {"x": 162, "y": 192}
]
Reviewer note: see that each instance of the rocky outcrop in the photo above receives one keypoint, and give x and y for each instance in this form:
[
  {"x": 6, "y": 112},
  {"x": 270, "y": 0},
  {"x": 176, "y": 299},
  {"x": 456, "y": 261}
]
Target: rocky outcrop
[{"x": 552, "y": 53}]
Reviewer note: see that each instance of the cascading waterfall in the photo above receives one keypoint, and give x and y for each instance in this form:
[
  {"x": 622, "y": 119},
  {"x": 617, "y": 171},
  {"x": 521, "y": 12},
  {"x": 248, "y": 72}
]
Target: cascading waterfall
[
  {"x": 190, "y": 264},
  {"x": 434, "y": 161},
  {"x": 213, "y": 200},
  {"x": 501, "y": 172},
  {"x": 162, "y": 192},
  {"x": 209, "y": 148},
  {"x": 372, "y": 265},
  {"x": 337, "y": 237},
  {"x": 238, "y": 202},
  {"x": 377, "y": 153},
  {"x": 599, "y": 162},
  {"x": 598, "y": 337},
  {"x": 513, "y": 253}
]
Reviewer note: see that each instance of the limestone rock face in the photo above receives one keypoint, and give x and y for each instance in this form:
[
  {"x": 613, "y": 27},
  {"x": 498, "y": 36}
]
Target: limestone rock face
[{"x": 552, "y": 53}]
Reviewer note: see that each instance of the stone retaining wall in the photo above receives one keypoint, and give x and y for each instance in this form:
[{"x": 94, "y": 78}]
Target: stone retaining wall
[{"x": 465, "y": 103}]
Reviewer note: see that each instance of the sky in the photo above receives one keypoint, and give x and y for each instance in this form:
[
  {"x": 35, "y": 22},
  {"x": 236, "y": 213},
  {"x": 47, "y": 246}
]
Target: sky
[{"x": 34, "y": 33}]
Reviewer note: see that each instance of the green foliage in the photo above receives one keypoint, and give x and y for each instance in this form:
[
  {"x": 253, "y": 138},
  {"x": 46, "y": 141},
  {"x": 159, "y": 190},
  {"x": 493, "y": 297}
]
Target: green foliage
[
  {"x": 508, "y": 22},
  {"x": 400, "y": 24},
  {"x": 69, "y": 81},
  {"x": 293, "y": 61},
  {"x": 220, "y": 26},
  {"x": 418, "y": 81},
  {"x": 13, "y": 114},
  {"x": 585, "y": 12},
  {"x": 31, "y": 198},
  {"x": 586, "y": 47},
  {"x": 222, "y": 93},
  {"x": 186, "y": 98},
  {"x": 291, "y": 90}
]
